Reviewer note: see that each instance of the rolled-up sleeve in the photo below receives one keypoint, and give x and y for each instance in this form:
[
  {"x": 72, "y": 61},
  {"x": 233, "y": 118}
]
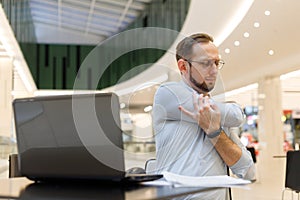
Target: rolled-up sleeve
[{"x": 244, "y": 167}]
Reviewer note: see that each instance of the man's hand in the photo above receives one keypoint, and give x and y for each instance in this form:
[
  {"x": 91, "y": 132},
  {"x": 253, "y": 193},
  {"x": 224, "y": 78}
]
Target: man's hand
[{"x": 205, "y": 113}]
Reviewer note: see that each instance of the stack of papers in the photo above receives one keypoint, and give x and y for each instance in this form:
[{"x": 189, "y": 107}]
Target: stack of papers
[{"x": 198, "y": 181}]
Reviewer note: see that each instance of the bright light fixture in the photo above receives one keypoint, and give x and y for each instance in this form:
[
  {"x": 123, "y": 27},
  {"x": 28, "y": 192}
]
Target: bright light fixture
[
  {"x": 271, "y": 52},
  {"x": 267, "y": 12},
  {"x": 133, "y": 89},
  {"x": 147, "y": 108},
  {"x": 256, "y": 24},
  {"x": 237, "y": 43},
  {"x": 290, "y": 75},
  {"x": 227, "y": 50},
  {"x": 261, "y": 96},
  {"x": 246, "y": 34},
  {"x": 237, "y": 17},
  {"x": 122, "y": 105},
  {"x": 241, "y": 90},
  {"x": 247, "y": 88}
]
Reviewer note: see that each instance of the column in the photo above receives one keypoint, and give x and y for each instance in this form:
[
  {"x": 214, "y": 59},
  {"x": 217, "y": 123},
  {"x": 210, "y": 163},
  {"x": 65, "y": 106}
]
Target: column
[
  {"x": 6, "y": 81},
  {"x": 270, "y": 128}
]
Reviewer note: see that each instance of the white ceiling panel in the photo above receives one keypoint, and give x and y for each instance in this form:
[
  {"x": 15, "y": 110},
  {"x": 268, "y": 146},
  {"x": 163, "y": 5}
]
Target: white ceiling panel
[{"x": 102, "y": 18}]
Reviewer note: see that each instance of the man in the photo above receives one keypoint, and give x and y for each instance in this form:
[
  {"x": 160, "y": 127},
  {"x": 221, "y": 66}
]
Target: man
[{"x": 192, "y": 130}]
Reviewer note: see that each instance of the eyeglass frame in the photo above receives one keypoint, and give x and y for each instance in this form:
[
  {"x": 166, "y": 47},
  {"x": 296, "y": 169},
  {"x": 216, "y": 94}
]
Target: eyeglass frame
[{"x": 206, "y": 67}]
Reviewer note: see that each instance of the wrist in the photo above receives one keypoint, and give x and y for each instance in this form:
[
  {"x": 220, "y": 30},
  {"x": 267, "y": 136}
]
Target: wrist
[{"x": 215, "y": 133}]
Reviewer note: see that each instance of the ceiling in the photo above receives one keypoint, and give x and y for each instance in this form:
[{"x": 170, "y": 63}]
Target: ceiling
[
  {"x": 74, "y": 21},
  {"x": 82, "y": 21},
  {"x": 252, "y": 60}
]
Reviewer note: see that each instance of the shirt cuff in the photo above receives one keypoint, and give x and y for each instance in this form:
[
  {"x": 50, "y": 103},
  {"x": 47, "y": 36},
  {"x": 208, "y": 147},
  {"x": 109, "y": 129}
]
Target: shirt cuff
[{"x": 244, "y": 167}]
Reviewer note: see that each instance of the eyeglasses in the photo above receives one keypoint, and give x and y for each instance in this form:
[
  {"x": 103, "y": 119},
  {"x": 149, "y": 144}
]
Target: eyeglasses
[{"x": 206, "y": 64}]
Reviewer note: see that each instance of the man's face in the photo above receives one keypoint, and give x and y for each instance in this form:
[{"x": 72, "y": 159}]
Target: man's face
[{"x": 202, "y": 72}]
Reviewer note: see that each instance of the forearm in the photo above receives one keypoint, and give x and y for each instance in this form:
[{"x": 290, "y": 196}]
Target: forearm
[
  {"x": 227, "y": 149},
  {"x": 235, "y": 155}
]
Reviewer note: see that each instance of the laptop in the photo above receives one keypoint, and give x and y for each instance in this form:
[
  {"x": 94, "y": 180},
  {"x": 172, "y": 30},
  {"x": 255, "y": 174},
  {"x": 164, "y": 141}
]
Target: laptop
[{"x": 76, "y": 137}]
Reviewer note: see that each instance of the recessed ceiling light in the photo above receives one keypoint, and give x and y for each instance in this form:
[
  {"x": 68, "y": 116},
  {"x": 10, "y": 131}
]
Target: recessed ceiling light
[
  {"x": 261, "y": 96},
  {"x": 237, "y": 43},
  {"x": 147, "y": 108},
  {"x": 271, "y": 52},
  {"x": 246, "y": 34},
  {"x": 122, "y": 105},
  {"x": 227, "y": 50},
  {"x": 267, "y": 12},
  {"x": 256, "y": 24}
]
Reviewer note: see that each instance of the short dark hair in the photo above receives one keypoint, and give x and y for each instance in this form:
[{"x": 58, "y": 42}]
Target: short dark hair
[{"x": 184, "y": 48}]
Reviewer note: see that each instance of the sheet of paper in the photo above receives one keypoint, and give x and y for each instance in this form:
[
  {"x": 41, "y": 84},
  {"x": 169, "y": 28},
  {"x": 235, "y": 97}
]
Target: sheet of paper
[
  {"x": 160, "y": 182},
  {"x": 203, "y": 181}
]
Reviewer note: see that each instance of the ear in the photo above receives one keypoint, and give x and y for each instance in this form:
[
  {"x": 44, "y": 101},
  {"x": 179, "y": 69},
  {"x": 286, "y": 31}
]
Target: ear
[{"x": 182, "y": 66}]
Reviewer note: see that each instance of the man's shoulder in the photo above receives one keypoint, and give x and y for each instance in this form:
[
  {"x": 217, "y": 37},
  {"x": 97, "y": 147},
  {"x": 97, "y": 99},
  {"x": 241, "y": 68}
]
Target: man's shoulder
[
  {"x": 174, "y": 88},
  {"x": 172, "y": 85}
]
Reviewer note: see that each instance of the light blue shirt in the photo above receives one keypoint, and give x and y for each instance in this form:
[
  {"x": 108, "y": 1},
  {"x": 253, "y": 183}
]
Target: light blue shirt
[{"x": 182, "y": 147}]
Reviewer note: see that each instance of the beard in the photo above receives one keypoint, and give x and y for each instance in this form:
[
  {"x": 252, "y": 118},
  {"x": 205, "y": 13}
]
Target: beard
[{"x": 201, "y": 86}]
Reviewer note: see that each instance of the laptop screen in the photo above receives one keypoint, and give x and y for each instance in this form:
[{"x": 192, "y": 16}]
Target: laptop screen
[{"x": 71, "y": 136}]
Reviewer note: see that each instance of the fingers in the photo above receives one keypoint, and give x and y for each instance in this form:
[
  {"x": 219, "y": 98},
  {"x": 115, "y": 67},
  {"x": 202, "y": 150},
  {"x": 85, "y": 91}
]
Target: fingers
[
  {"x": 195, "y": 102},
  {"x": 203, "y": 102},
  {"x": 193, "y": 113},
  {"x": 206, "y": 102},
  {"x": 201, "y": 106},
  {"x": 186, "y": 111}
]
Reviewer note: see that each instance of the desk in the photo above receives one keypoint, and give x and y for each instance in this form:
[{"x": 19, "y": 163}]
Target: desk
[{"x": 22, "y": 188}]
